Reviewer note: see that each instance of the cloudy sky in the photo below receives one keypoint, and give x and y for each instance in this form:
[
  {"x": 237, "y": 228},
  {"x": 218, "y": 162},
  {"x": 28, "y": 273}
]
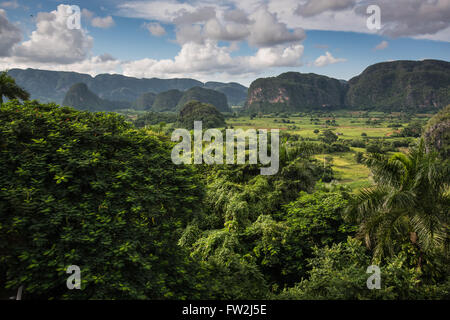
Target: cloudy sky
[{"x": 221, "y": 40}]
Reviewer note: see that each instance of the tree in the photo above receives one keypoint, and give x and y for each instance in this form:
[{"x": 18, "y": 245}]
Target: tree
[
  {"x": 437, "y": 133},
  {"x": 10, "y": 89},
  {"x": 408, "y": 203},
  {"x": 339, "y": 272},
  {"x": 86, "y": 189},
  {"x": 328, "y": 136}
]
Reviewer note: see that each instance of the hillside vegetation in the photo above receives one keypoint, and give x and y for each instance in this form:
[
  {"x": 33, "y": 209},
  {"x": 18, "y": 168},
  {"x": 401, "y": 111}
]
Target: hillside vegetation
[
  {"x": 217, "y": 99},
  {"x": 198, "y": 111},
  {"x": 389, "y": 87},
  {"x": 401, "y": 86},
  {"x": 79, "y": 96},
  {"x": 167, "y": 101}
]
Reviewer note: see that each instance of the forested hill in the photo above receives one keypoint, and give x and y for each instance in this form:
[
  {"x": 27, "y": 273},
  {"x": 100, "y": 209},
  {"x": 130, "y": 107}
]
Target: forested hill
[
  {"x": 389, "y": 86},
  {"x": 294, "y": 91},
  {"x": 80, "y": 97},
  {"x": 52, "y": 86}
]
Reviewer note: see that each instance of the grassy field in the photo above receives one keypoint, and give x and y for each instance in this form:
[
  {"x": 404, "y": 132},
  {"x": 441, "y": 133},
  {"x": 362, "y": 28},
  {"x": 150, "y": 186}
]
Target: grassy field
[
  {"x": 355, "y": 126},
  {"x": 358, "y": 125}
]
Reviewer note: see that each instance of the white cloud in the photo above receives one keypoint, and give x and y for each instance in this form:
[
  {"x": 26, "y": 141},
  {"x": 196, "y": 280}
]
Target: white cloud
[
  {"x": 237, "y": 15},
  {"x": 314, "y": 7},
  {"x": 93, "y": 66},
  {"x": 53, "y": 41},
  {"x": 201, "y": 14},
  {"x": 275, "y": 57},
  {"x": 268, "y": 31},
  {"x": 87, "y": 14},
  {"x": 382, "y": 45},
  {"x": 10, "y": 35},
  {"x": 428, "y": 19},
  {"x": 155, "y": 29},
  {"x": 327, "y": 59},
  {"x": 163, "y": 11},
  {"x": 104, "y": 23},
  {"x": 98, "y": 22},
  {"x": 409, "y": 18},
  {"x": 9, "y": 4},
  {"x": 200, "y": 60},
  {"x": 231, "y": 31}
]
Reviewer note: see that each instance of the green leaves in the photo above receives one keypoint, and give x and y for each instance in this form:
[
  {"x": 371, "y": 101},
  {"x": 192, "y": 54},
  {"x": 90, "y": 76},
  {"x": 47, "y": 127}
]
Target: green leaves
[{"x": 78, "y": 188}]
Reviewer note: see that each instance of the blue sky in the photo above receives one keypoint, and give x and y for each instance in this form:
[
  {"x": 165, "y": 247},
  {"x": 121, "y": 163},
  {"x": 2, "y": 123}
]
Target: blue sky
[{"x": 226, "y": 40}]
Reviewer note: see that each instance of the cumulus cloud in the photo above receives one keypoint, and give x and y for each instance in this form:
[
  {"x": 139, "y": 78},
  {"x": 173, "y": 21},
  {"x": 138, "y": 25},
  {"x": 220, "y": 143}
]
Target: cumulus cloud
[
  {"x": 155, "y": 29},
  {"x": 104, "y": 23},
  {"x": 53, "y": 41},
  {"x": 10, "y": 35},
  {"x": 9, "y": 4},
  {"x": 197, "y": 60},
  {"x": 412, "y": 17},
  {"x": 382, "y": 45},
  {"x": 160, "y": 10},
  {"x": 87, "y": 14},
  {"x": 267, "y": 31},
  {"x": 98, "y": 22},
  {"x": 199, "y": 15},
  {"x": 189, "y": 33},
  {"x": 237, "y": 15},
  {"x": 230, "y": 31},
  {"x": 199, "y": 32},
  {"x": 314, "y": 7},
  {"x": 93, "y": 66},
  {"x": 275, "y": 57},
  {"x": 327, "y": 59},
  {"x": 428, "y": 19}
]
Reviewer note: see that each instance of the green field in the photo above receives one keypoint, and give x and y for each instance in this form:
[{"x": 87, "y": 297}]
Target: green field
[{"x": 347, "y": 125}]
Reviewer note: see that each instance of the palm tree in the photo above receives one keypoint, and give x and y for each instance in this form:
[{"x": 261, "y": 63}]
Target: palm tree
[
  {"x": 410, "y": 201},
  {"x": 10, "y": 89}
]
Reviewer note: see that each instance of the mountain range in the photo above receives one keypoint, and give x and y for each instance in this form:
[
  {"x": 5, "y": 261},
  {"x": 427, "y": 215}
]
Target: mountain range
[
  {"x": 52, "y": 86},
  {"x": 388, "y": 86}
]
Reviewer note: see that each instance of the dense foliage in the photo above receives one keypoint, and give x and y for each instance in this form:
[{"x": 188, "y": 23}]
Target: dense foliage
[
  {"x": 437, "y": 133},
  {"x": 10, "y": 89},
  {"x": 197, "y": 111},
  {"x": 85, "y": 189},
  {"x": 167, "y": 101},
  {"x": 401, "y": 85},
  {"x": 216, "y": 98},
  {"x": 155, "y": 118},
  {"x": 91, "y": 190}
]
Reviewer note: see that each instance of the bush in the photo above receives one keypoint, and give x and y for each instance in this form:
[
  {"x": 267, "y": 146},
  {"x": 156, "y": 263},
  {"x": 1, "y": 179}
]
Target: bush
[{"x": 357, "y": 144}]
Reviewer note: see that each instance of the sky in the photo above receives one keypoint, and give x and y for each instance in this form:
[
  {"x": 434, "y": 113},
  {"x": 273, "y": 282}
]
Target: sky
[{"x": 222, "y": 40}]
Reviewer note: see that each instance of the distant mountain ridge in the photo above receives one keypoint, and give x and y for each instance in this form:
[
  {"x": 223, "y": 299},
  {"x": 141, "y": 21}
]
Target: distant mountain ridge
[
  {"x": 52, "y": 86},
  {"x": 81, "y": 97},
  {"x": 292, "y": 90},
  {"x": 401, "y": 85},
  {"x": 388, "y": 86}
]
